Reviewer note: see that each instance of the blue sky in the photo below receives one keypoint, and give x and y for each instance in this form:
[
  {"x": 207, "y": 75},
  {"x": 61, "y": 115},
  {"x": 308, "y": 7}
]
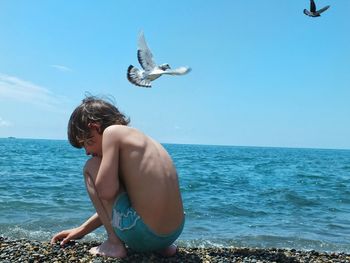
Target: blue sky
[{"x": 263, "y": 73}]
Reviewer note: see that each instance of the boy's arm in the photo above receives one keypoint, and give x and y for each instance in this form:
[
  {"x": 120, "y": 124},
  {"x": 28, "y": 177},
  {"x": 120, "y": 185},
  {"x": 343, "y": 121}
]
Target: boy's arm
[
  {"x": 76, "y": 233},
  {"x": 91, "y": 224},
  {"x": 107, "y": 180}
]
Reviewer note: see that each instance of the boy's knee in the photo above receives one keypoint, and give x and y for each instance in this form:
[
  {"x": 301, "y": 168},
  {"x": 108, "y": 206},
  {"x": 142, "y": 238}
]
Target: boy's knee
[{"x": 92, "y": 165}]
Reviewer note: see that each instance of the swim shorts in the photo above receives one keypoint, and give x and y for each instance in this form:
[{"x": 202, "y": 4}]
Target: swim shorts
[{"x": 131, "y": 229}]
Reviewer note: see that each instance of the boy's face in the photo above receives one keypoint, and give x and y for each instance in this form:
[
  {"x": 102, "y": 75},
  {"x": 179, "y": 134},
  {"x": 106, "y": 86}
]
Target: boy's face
[{"x": 93, "y": 143}]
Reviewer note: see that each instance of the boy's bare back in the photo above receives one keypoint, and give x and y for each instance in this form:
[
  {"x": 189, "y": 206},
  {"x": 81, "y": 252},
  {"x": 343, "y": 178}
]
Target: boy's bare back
[{"x": 149, "y": 177}]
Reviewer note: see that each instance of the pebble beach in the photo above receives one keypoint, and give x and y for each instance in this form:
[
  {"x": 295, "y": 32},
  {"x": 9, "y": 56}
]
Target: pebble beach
[{"x": 23, "y": 250}]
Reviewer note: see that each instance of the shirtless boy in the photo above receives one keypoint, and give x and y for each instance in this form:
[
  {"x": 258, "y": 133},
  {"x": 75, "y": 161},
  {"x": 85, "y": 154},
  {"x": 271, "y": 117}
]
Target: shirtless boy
[{"x": 131, "y": 181}]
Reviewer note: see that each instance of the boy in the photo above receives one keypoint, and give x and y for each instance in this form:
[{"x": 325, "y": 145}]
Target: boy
[{"x": 131, "y": 180}]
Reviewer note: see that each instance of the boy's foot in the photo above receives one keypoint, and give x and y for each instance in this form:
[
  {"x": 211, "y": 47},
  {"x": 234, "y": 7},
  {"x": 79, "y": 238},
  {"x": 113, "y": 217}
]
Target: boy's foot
[
  {"x": 109, "y": 249},
  {"x": 169, "y": 251}
]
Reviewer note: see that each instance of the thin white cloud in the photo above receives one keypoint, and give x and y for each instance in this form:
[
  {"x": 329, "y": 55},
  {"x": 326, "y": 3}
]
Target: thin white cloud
[
  {"x": 62, "y": 68},
  {"x": 24, "y": 91},
  {"x": 4, "y": 123}
]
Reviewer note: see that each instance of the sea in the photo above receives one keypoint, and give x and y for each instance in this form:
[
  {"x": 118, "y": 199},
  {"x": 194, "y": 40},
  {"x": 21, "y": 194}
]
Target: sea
[{"x": 233, "y": 196}]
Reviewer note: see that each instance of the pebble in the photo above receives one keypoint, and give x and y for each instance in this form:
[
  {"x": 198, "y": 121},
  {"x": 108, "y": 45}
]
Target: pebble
[{"x": 22, "y": 250}]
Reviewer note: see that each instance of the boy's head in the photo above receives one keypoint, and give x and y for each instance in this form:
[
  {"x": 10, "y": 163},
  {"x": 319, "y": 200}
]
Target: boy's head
[{"x": 92, "y": 110}]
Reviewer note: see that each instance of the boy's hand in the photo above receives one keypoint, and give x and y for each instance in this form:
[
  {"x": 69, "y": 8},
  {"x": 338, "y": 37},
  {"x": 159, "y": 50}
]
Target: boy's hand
[{"x": 67, "y": 235}]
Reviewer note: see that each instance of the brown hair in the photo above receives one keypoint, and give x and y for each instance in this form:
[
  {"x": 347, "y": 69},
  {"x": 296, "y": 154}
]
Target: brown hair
[{"x": 92, "y": 110}]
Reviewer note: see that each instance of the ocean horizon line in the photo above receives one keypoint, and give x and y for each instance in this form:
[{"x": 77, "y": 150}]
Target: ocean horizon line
[{"x": 207, "y": 144}]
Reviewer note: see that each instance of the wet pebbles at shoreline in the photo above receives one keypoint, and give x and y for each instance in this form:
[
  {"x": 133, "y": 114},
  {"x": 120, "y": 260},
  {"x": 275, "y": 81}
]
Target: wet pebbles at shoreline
[{"x": 23, "y": 250}]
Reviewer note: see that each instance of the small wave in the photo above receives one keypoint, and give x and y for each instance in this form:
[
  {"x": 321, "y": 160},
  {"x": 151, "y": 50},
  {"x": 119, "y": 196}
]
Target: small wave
[
  {"x": 300, "y": 200},
  {"x": 18, "y": 232},
  {"x": 268, "y": 241}
]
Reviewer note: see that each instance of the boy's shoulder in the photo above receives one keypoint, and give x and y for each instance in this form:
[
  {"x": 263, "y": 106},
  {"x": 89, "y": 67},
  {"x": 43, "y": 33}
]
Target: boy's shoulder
[
  {"x": 124, "y": 135},
  {"x": 116, "y": 128},
  {"x": 115, "y": 134},
  {"x": 121, "y": 131}
]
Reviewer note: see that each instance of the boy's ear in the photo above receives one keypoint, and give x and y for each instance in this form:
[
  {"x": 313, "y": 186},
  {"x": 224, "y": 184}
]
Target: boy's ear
[{"x": 94, "y": 125}]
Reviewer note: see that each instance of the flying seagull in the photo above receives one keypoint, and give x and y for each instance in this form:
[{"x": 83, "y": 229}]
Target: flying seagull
[
  {"x": 150, "y": 70},
  {"x": 313, "y": 12}
]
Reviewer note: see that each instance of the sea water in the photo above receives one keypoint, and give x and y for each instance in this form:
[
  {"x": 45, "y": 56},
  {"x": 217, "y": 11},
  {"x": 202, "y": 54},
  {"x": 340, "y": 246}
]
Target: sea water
[{"x": 233, "y": 196}]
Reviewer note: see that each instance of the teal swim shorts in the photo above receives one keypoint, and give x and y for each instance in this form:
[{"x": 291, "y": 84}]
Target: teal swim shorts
[{"x": 131, "y": 229}]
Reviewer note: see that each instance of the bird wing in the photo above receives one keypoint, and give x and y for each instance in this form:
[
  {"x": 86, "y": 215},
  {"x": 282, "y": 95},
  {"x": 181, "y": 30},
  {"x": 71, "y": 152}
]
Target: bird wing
[
  {"x": 306, "y": 12},
  {"x": 144, "y": 54},
  {"x": 178, "y": 71},
  {"x": 135, "y": 76},
  {"x": 312, "y": 6},
  {"x": 323, "y": 9}
]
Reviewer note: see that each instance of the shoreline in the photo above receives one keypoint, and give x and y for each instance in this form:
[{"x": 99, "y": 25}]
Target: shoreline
[{"x": 24, "y": 250}]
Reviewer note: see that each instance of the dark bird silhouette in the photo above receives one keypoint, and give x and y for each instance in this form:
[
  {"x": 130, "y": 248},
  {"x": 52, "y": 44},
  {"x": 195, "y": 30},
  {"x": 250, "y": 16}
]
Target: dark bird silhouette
[{"x": 313, "y": 12}]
